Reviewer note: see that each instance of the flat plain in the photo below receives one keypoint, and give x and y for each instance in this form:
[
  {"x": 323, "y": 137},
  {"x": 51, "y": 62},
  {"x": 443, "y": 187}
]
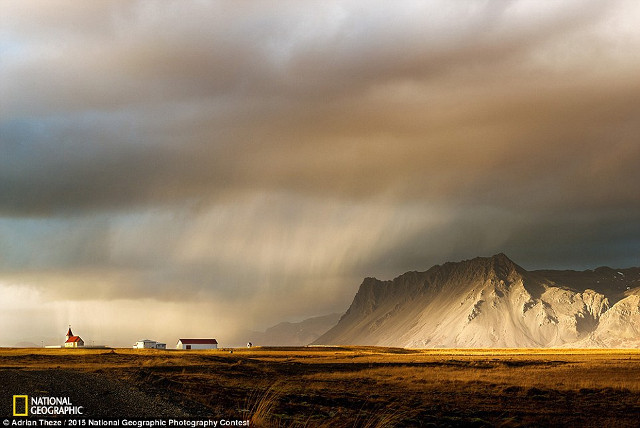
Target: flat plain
[{"x": 338, "y": 386}]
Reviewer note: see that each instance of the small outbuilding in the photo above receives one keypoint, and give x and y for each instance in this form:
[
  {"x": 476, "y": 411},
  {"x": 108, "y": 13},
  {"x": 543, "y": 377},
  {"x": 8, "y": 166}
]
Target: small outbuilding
[
  {"x": 149, "y": 344},
  {"x": 197, "y": 344}
]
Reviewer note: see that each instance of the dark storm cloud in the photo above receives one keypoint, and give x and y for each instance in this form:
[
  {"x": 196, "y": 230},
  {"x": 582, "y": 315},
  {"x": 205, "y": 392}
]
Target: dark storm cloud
[
  {"x": 159, "y": 104},
  {"x": 535, "y": 240}
]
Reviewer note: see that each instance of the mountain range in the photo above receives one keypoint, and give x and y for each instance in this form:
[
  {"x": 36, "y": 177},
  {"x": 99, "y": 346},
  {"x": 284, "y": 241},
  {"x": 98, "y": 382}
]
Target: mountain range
[
  {"x": 491, "y": 302},
  {"x": 293, "y": 333}
]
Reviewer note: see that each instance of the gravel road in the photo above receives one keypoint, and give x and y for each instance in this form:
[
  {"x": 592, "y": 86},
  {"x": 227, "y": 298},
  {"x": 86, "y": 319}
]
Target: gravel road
[{"x": 100, "y": 396}]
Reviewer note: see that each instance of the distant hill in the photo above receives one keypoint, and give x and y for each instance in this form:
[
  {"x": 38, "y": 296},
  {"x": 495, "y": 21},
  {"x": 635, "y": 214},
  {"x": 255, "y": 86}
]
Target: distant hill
[
  {"x": 295, "y": 333},
  {"x": 27, "y": 345},
  {"x": 493, "y": 302}
]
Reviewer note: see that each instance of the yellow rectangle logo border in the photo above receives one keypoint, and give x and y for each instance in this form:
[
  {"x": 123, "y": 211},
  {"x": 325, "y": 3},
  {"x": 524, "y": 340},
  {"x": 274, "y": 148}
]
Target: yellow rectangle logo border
[{"x": 26, "y": 405}]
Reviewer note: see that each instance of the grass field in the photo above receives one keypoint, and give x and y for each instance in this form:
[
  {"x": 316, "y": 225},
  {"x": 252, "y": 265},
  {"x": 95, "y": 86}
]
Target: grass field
[{"x": 345, "y": 386}]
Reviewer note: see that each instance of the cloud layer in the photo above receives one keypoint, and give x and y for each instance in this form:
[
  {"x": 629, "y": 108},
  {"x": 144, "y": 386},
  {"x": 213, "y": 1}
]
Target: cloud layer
[{"x": 265, "y": 156}]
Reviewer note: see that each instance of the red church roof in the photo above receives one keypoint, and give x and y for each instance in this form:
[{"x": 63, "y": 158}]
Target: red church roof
[
  {"x": 199, "y": 341},
  {"x": 73, "y": 339}
]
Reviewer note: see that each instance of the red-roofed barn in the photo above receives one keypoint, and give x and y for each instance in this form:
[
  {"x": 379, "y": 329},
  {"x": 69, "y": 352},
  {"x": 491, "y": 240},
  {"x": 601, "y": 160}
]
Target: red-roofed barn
[{"x": 197, "y": 344}]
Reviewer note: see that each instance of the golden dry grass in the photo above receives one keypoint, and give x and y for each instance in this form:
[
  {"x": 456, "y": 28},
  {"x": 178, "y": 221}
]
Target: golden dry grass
[{"x": 371, "y": 386}]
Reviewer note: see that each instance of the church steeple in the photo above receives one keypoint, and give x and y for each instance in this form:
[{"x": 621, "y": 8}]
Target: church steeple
[{"x": 69, "y": 333}]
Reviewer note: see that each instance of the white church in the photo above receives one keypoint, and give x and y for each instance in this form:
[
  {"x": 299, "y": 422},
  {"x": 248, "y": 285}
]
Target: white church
[{"x": 73, "y": 341}]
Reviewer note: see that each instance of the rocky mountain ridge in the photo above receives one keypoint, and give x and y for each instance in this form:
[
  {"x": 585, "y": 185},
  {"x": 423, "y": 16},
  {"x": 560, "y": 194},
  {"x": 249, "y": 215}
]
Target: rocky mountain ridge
[{"x": 493, "y": 302}]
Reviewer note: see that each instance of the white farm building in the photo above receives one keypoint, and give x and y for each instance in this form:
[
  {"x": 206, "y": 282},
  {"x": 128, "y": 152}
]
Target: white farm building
[
  {"x": 197, "y": 344},
  {"x": 149, "y": 344}
]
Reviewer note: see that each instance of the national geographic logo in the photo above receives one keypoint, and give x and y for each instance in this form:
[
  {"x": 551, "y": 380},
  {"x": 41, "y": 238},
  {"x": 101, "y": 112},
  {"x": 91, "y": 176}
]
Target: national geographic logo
[
  {"x": 20, "y": 405},
  {"x": 44, "y": 406}
]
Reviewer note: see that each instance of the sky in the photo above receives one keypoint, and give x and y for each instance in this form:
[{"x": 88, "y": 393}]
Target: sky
[{"x": 203, "y": 168}]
